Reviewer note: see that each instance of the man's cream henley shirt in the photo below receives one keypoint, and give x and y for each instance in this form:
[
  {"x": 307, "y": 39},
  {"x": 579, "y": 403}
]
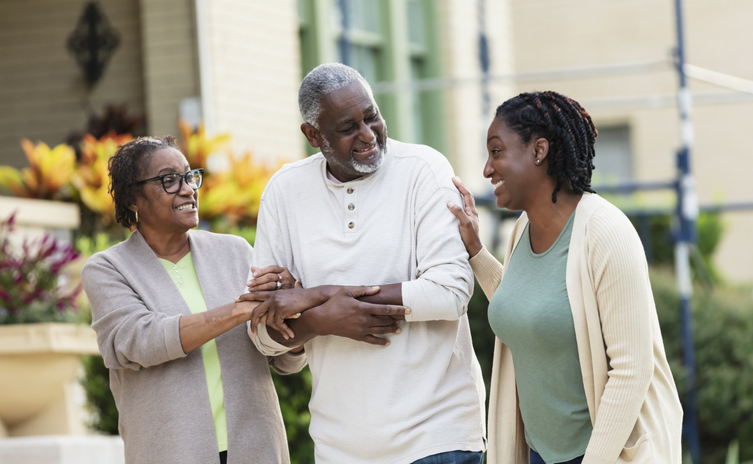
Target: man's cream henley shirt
[{"x": 423, "y": 394}]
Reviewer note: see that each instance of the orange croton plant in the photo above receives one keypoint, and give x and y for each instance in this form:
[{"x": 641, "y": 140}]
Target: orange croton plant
[
  {"x": 197, "y": 146},
  {"x": 232, "y": 185},
  {"x": 91, "y": 177},
  {"x": 49, "y": 172},
  {"x": 236, "y": 191}
]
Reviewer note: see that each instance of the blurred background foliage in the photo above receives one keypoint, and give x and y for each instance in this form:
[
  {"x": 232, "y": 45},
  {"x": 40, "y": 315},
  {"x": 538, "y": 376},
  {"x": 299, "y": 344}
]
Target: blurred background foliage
[
  {"x": 31, "y": 289},
  {"x": 78, "y": 172},
  {"x": 722, "y": 326}
]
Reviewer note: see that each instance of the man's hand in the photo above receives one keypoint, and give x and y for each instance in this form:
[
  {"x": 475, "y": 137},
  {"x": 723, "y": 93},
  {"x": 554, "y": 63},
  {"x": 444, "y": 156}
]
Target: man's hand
[
  {"x": 279, "y": 305},
  {"x": 345, "y": 316}
]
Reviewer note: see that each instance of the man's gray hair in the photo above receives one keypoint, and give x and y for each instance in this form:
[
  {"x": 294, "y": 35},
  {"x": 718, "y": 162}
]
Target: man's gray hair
[{"x": 322, "y": 80}]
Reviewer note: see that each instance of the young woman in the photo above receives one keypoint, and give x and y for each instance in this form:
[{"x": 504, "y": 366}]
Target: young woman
[{"x": 572, "y": 306}]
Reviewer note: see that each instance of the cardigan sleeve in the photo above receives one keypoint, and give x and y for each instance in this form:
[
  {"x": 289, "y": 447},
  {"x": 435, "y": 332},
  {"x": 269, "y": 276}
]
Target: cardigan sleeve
[
  {"x": 488, "y": 271},
  {"x": 619, "y": 274},
  {"x": 288, "y": 363},
  {"x": 129, "y": 335}
]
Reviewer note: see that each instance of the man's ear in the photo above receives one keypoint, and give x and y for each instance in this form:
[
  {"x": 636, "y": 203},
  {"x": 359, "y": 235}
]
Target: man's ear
[{"x": 312, "y": 134}]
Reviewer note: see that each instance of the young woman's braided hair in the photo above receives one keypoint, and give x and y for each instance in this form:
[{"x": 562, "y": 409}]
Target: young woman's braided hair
[
  {"x": 127, "y": 167},
  {"x": 568, "y": 128}
]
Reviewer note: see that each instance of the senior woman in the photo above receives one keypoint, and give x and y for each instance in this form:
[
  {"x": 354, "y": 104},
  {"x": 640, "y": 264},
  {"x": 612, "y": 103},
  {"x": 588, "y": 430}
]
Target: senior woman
[
  {"x": 572, "y": 306},
  {"x": 160, "y": 296}
]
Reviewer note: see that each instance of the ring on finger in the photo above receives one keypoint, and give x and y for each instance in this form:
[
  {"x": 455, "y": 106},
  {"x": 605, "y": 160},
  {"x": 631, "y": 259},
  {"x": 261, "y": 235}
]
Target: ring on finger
[
  {"x": 279, "y": 277},
  {"x": 279, "y": 285}
]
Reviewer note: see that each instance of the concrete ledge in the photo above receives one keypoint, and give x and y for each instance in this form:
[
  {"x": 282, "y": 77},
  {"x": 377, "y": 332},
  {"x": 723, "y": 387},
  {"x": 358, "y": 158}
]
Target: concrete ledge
[
  {"x": 48, "y": 337},
  {"x": 54, "y": 449},
  {"x": 41, "y": 213}
]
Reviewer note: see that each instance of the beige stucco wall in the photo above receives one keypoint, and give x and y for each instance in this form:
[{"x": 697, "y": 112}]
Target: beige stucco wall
[
  {"x": 548, "y": 34},
  {"x": 466, "y": 123},
  {"x": 255, "y": 73},
  {"x": 42, "y": 91},
  {"x": 170, "y": 61}
]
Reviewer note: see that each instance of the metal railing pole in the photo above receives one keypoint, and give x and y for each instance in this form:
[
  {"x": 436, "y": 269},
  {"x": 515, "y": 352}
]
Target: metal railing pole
[{"x": 687, "y": 213}]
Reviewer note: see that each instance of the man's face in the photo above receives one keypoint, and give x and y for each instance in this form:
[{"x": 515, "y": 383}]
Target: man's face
[{"x": 352, "y": 133}]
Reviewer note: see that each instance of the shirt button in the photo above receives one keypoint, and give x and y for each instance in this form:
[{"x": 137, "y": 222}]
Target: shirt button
[
  {"x": 350, "y": 190},
  {"x": 177, "y": 272},
  {"x": 175, "y": 266},
  {"x": 351, "y": 207},
  {"x": 351, "y": 225}
]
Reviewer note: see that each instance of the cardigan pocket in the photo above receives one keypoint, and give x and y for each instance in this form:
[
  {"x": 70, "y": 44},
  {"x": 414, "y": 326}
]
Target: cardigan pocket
[{"x": 640, "y": 452}]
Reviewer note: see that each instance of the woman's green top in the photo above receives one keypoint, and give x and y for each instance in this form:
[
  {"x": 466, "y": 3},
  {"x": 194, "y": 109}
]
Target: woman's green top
[
  {"x": 185, "y": 278},
  {"x": 530, "y": 313}
]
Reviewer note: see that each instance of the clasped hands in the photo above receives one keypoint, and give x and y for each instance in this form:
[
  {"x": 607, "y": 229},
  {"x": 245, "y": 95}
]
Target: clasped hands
[{"x": 332, "y": 309}]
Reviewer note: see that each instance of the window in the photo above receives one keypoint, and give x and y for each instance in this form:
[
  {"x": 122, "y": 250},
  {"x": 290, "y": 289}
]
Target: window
[
  {"x": 361, "y": 46},
  {"x": 387, "y": 41},
  {"x": 613, "y": 159},
  {"x": 417, "y": 42}
]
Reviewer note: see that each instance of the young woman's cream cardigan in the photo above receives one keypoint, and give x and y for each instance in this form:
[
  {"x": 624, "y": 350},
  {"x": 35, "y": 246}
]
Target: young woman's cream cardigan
[{"x": 635, "y": 410}]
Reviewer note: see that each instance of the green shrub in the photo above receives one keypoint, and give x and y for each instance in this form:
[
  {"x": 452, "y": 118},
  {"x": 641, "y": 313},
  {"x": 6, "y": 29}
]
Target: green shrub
[
  {"x": 294, "y": 392},
  {"x": 483, "y": 337},
  {"x": 99, "y": 400},
  {"x": 710, "y": 229},
  {"x": 722, "y": 328}
]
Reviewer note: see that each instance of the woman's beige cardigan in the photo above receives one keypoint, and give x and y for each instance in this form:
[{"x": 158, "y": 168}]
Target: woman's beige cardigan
[{"x": 635, "y": 410}]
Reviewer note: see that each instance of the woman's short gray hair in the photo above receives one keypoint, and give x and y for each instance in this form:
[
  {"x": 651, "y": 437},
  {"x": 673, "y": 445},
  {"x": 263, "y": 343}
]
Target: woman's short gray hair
[{"x": 322, "y": 80}]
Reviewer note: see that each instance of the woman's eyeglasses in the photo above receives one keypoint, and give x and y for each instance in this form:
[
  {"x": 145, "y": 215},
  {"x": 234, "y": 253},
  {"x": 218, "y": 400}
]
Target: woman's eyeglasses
[{"x": 173, "y": 182}]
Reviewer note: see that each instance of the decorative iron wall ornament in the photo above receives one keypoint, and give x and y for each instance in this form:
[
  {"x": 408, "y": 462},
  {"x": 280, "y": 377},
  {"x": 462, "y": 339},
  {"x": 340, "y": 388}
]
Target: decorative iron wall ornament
[{"x": 93, "y": 43}]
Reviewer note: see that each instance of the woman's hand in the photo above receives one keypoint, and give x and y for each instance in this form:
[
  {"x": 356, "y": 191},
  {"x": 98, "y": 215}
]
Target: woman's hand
[
  {"x": 468, "y": 218},
  {"x": 266, "y": 278}
]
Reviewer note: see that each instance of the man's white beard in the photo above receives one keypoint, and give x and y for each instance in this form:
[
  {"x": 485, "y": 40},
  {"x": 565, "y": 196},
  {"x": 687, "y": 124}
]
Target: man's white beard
[{"x": 352, "y": 164}]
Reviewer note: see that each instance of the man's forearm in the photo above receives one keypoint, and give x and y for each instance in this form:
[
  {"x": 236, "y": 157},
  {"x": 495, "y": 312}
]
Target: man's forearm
[
  {"x": 391, "y": 294},
  {"x": 345, "y": 315}
]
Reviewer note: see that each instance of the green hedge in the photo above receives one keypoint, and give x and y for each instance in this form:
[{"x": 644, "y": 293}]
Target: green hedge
[
  {"x": 294, "y": 392},
  {"x": 99, "y": 398},
  {"x": 723, "y": 333},
  {"x": 709, "y": 228}
]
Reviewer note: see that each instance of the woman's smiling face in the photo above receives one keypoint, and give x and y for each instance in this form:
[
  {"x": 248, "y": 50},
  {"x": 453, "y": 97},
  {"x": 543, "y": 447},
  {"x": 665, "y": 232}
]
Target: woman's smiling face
[
  {"x": 162, "y": 211},
  {"x": 512, "y": 166}
]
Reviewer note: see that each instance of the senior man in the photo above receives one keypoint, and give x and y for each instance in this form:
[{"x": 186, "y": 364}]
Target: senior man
[{"x": 369, "y": 210}]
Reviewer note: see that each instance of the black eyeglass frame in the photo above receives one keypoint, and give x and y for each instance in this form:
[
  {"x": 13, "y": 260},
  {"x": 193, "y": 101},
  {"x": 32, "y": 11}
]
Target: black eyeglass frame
[{"x": 182, "y": 177}]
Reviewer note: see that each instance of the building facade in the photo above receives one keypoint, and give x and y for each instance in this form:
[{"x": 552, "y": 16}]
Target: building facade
[{"x": 438, "y": 69}]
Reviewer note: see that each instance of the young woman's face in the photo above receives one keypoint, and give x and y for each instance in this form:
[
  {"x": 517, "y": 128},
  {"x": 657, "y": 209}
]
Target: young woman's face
[{"x": 511, "y": 166}]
